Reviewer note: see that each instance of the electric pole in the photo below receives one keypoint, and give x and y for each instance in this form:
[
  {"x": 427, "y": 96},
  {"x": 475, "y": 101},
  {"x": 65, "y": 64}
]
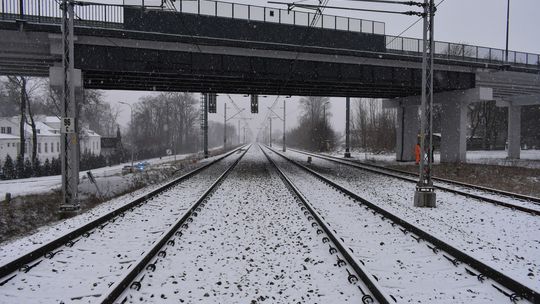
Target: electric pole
[
  {"x": 70, "y": 136},
  {"x": 424, "y": 195},
  {"x": 347, "y": 126},
  {"x": 224, "y": 125},
  {"x": 284, "y": 118},
  {"x": 270, "y": 130}
]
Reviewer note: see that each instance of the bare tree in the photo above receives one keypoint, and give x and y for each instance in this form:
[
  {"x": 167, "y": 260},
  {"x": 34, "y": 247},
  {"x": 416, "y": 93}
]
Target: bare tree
[
  {"x": 373, "y": 128},
  {"x": 314, "y": 131}
]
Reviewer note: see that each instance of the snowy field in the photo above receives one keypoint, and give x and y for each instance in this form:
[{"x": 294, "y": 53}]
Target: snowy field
[
  {"x": 529, "y": 158},
  {"x": 45, "y": 184},
  {"x": 83, "y": 271},
  {"x": 506, "y": 239},
  {"x": 252, "y": 243}
]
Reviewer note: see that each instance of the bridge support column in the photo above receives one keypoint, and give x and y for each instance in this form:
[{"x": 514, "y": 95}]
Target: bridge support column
[
  {"x": 454, "y": 132},
  {"x": 514, "y": 132},
  {"x": 408, "y": 124}
]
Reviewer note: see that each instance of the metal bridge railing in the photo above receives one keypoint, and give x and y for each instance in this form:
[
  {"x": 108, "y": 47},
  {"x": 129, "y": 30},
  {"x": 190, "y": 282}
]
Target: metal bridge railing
[
  {"x": 462, "y": 52},
  {"x": 111, "y": 14},
  {"x": 48, "y": 11},
  {"x": 274, "y": 15}
]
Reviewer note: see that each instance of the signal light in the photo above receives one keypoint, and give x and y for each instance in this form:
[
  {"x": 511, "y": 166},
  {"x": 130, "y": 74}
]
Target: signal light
[
  {"x": 254, "y": 103},
  {"x": 212, "y": 102}
]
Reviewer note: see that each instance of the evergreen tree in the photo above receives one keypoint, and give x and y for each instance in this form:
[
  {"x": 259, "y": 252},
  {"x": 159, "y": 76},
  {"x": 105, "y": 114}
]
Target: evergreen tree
[
  {"x": 37, "y": 168},
  {"x": 28, "y": 169},
  {"x": 56, "y": 166},
  {"x": 8, "y": 168},
  {"x": 46, "y": 168},
  {"x": 19, "y": 167}
]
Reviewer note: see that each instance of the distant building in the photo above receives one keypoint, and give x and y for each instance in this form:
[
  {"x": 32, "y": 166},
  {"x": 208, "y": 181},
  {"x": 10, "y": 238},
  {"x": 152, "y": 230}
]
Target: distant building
[
  {"x": 48, "y": 138},
  {"x": 112, "y": 149}
]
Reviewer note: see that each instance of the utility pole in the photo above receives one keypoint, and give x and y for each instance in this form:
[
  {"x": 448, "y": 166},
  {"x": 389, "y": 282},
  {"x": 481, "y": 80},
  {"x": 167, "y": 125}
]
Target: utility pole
[
  {"x": 270, "y": 130},
  {"x": 132, "y": 135},
  {"x": 284, "y": 119},
  {"x": 238, "y": 130},
  {"x": 507, "y": 30},
  {"x": 70, "y": 136},
  {"x": 424, "y": 195},
  {"x": 225, "y": 119},
  {"x": 347, "y": 127},
  {"x": 204, "y": 97},
  {"x": 224, "y": 125}
]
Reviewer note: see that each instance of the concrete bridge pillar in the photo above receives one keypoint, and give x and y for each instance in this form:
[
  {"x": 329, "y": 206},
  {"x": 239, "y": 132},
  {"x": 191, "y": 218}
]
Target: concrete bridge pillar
[
  {"x": 408, "y": 126},
  {"x": 514, "y": 131},
  {"x": 453, "y": 124},
  {"x": 454, "y": 132},
  {"x": 514, "y": 104}
]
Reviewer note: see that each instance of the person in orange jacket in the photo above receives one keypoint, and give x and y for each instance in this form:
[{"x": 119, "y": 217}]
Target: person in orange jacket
[
  {"x": 417, "y": 150},
  {"x": 417, "y": 153}
]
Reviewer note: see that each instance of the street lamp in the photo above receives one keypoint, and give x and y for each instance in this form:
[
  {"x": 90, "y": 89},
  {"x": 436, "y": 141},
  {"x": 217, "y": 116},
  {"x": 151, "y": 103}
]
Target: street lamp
[
  {"x": 132, "y": 136},
  {"x": 507, "y": 29}
]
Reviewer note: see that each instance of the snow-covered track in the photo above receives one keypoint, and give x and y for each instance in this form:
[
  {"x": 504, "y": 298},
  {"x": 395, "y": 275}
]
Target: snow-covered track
[
  {"x": 329, "y": 236},
  {"x": 444, "y": 184},
  {"x": 159, "y": 248},
  {"x": 100, "y": 228},
  {"x": 453, "y": 254}
]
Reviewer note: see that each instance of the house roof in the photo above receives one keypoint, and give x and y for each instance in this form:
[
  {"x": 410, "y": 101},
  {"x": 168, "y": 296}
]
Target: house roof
[
  {"x": 8, "y": 136},
  {"x": 44, "y": 127}
]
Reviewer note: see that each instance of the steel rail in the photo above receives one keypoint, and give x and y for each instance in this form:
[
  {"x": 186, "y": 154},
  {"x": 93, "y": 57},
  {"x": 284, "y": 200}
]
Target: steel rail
[
  {"x": 360, "y": 270},
  {"x": 48, "y": 249},
  {"x": 126, "y": 281},
  {"x": 395, "y": 173},
  {"x": 519, "y": 289}
]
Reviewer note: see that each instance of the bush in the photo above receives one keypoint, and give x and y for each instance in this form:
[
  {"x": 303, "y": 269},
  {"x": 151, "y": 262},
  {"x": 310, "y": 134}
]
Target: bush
[{"x": 8, "y": 168}]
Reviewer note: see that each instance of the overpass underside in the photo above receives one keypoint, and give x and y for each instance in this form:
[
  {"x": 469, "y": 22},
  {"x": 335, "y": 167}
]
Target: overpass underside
[
  {"x": 143, "y": 69},
  {"x": 173, "y": 58}
]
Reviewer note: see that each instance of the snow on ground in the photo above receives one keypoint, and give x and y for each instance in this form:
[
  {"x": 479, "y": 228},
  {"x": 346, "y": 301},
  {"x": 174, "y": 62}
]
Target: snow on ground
[
  {"x": 14, "y": 248},
  {"x": 506, "y": 239},
  {"x": 85, "y": 270},
  {"x": 44, "y": 184},
  {"x": 529, "y": 158},
  {"x": 407, "y": 269},
  {"x": 502, "y": 198},
  {"x": 251, "y": 243}
]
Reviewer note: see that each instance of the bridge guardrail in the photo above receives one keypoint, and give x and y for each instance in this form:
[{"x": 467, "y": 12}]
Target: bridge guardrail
[
  {"x": 112, "y": 15},
  {"x": 462, "y": 52}
]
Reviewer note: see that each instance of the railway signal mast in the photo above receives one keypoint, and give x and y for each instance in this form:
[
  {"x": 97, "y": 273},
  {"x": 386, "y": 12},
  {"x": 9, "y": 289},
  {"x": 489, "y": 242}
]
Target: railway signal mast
[
  {"x": 424, "y": 195},
  {"x": 69, "y": 128}
]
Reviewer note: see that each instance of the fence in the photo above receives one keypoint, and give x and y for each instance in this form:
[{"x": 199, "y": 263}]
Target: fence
[{"x": 461, "y": 52}]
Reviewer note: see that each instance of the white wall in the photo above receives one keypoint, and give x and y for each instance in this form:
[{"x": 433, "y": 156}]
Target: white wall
[{"x": 5, "y": 149}]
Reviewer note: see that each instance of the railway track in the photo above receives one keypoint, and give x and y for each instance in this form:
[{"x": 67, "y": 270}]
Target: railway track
[
  {"x": 151, "y": 277},
  {"x": 500, "y": 283},
  {"x": 450, "y": 186},
  {"x": 79, "y": 264}
]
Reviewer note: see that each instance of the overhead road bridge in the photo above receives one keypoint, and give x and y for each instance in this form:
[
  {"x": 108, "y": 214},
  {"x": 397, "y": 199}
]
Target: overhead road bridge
[{"x": 222, "y": 47}]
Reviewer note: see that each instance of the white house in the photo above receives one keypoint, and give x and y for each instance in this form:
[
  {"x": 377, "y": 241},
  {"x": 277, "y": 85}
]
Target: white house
[
  {"x": 48, "y": 138},
  {"x": 8, "y": 146}
]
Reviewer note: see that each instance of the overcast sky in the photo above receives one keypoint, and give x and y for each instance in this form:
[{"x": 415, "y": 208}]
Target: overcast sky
[{"x": 477, "y": 22}]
